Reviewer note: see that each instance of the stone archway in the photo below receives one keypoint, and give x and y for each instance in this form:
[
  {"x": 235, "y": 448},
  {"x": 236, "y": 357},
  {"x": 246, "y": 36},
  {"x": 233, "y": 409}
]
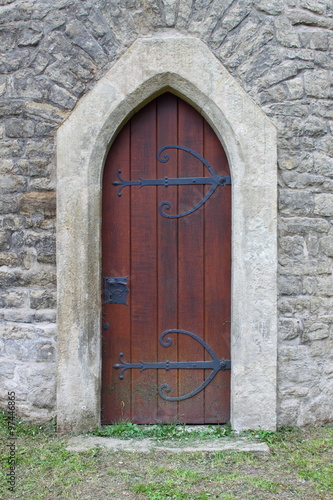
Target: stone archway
[{"x": 186, "y": 67}]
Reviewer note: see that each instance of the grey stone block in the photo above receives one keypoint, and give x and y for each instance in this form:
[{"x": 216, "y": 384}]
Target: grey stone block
[
  {"x": 12, "y": 184},
  {"x": 17, "y": 127},
  {"x": 312, "y": 245},
  {"x": 296, "y": 201},
  {"x": 40, "y": 148},
  {"x": 296, "y": 180},
  {"x": 34, "y": 167},
  {"x": 236, "y": 14},
  {"x": 18, "y": 332},
  {"x": 14, "y": 60},
  {"x": 326, "y": 244},
  {"x": 9, "y": 259},
  {"x": 303, "y": 225},
  {"x": 323, "y": 165},
  {"x": 62, "y": 97},
  {"x": 40, "y": 61},
  {"x": 45, "y": 129},
  {"x": 292, "y": 246},
  {"x": 35, "y": 278},
  {"x": 314, "y": 331},
  {"x": 314, "y": 40},
  {"x": 43, "y": 396},
  {"x": 290, "y": 328},
  {"x": 6, "y": 279},
  {"x": 315, "y": 127},
  {"x": 290, "y": 285},
  {"x": 7, "y": 370},
  {"x": 273, "y": 7},
  {"x": 46, "y": 250},
  {"x": 325, "y": 286},
  {"x": 7, "y": 38},
  {"x": 11, "y": 148},
  {"x": 5, "y": 240},
  {"x": 45, "y": 351},
  {"x": 41, "y": 184},
  {"x": 285, "y": 34},
  {"x": 80, "y": 36},
  {"x": 45, "y": 111},
  {"x": 29, "y": 86},
  {"x": 321, "y": 305},
  {"x": 18, "y": 316},
  {"x": 318, "y": 83},
  {"x": 45, "y": 316},
  {"x": 295, "y": 87},
  {"x": 306, "y": 267},
  {"x": 42, "y": 299},
  {"x": 309, "y": 285},
  {"x": 13, "y": 298},
  {"x": 309, "y": 19},
  {"x": 323, "y": 204},
  {"x": 317, "y": 6},
  {"x": 61, "y": 73},
  {"x": 29, "y": 36},
  {"x": 291, "y": 305}
]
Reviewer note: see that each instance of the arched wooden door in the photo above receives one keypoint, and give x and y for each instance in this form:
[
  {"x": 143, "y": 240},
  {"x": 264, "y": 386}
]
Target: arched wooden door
[{"x": 164, "y": 271}]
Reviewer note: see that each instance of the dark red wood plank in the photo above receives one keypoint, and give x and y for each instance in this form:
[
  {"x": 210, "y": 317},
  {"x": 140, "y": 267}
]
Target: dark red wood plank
[
  {"x": 217, "y": 280},
  {"x": 144, "y": 265},
  {"x": 116, "y": 394},
  {"x": 191, "y": 279},
  {"x": 167, "y": 253}
]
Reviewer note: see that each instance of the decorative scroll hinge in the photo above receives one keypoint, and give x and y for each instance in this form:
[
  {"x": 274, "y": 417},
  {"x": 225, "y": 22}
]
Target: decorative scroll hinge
[
  {"x": 215, "y": 365},
  {"x": 214, "y": 180}
]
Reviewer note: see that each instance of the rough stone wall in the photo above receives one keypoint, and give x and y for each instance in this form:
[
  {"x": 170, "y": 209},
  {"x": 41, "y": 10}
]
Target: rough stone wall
[{"x": 52, "y": 53}]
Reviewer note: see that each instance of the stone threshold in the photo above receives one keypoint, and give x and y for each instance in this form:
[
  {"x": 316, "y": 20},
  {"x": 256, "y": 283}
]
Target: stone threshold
[{"x": 83, "y": 443}]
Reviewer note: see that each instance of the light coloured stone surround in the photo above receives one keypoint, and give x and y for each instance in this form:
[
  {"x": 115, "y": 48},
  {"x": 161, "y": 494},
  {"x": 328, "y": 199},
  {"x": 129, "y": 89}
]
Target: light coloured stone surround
[{"x": 185, "y": 66}]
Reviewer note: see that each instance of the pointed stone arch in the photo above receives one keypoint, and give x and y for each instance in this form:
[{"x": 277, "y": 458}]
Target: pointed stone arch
[{"x": 185, "y": 66}]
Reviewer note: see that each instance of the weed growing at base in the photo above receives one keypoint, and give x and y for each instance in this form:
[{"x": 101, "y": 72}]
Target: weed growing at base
[{"x": 127, "y": 430}]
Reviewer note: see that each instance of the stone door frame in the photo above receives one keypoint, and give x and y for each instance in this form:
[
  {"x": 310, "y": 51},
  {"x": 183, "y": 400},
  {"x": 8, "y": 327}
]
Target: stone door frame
[{"x": 183, "y": 65}]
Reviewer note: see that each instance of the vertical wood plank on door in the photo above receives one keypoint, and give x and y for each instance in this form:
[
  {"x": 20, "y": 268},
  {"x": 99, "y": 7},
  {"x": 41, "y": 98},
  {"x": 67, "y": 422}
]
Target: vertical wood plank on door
[
  {"x": 144, "y": 264},
  {"x": 116, "y": 393},
  {"x": 217, "y": 283},
  {"x": 167, "y": 252},
  {"x": 191, "y": 279}
]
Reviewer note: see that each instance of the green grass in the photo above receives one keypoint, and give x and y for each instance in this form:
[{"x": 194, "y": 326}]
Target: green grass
[
  {"x": 310, "y": 461},
  {"x": 265, "y": 484},
  {"x": 39, "y": 451},
  {"x": 127, "y": 430},
  {"x": 161, "y": 491},
  {"x": 299, "y": 466}
]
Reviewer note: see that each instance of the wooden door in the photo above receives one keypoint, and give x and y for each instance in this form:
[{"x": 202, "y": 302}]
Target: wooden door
[{"x": 176, "y": 268}]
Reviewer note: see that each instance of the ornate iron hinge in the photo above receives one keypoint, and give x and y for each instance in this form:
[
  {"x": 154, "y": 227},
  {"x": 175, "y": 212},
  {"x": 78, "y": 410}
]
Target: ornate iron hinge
[
  {"x": 215, "y": 365},
  {"x": 215, "y": 181}
]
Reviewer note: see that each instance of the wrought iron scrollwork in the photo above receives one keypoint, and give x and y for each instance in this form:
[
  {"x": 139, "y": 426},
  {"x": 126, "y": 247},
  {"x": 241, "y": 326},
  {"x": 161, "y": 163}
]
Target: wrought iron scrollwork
[
  {"x": 215, "y": 365},
  {"x": 214, "y": 180}
]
